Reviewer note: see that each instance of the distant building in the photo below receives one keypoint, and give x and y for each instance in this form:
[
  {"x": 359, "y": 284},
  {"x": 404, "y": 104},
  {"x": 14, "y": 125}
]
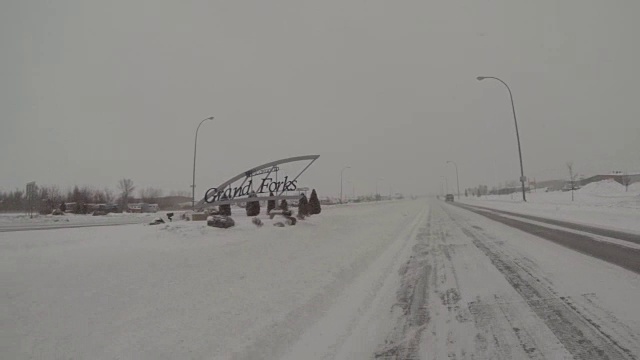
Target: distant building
[{"x": 143, "y": 208}]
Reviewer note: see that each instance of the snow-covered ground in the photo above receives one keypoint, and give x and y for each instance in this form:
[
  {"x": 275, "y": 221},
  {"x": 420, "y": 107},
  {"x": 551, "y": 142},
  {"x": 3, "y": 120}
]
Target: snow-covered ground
[
  {"x": 185, "y": 290},
  {"x": 606, "y": 204},
  {"x": 406, "y": 279}
]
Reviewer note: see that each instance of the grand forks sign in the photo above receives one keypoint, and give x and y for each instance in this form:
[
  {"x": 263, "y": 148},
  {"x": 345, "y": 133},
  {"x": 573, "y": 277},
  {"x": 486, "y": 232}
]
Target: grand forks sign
[{"x": 256, "y": 181}]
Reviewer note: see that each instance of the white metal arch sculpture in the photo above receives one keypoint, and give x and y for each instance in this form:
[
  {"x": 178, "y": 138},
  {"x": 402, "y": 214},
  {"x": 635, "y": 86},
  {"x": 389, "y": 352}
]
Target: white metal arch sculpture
[{"x": 225, "y": 194}]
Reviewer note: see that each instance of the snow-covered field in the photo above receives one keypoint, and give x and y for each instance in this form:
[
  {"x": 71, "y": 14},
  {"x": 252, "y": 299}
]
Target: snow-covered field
[
  {"x": 407, "y": 279},
  {"x": 606, "y": 204}
]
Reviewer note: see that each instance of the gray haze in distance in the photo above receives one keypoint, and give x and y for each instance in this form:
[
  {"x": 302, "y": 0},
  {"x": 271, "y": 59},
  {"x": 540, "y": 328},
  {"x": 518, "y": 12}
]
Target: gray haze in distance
[{"x": 93, "y": 91}]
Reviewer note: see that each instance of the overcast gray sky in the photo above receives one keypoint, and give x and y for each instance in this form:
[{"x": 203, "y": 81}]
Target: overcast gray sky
[{"x": 93, "y": 91}]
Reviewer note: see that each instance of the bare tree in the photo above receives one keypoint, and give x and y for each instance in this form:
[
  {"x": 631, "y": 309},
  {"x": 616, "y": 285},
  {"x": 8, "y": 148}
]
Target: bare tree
[
  {"x": 80, "y": 195},
  {"x": 52, "y": 193},
  {"x": 183, "y": 193},
  {"x": 572, "y": 177},
  {"x": 126, "y": 188},
  {"x": 49, "y": 198},
  {"x": 150, "y": 194},
  {"x": 102, "y": 196},
  {"x": 109, "y": 198}
]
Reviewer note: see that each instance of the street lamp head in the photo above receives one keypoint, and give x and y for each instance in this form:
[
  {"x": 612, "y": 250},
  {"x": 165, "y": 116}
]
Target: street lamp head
[{"x": 480, "y": 78}]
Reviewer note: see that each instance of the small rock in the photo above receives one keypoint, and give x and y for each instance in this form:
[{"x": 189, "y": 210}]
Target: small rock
[
  {"x": 221, "y": 221},
  {"x": 284, "y": 213},
  {"x": 291, "y": 220},
  {"x": 157, "y": 221},
  {"x": 278, "y": 224},
  {"x": 257, "y": 222}
]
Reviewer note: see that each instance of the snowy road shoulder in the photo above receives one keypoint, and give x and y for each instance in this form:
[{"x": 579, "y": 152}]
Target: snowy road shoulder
[{"x": 583, "y": 301}]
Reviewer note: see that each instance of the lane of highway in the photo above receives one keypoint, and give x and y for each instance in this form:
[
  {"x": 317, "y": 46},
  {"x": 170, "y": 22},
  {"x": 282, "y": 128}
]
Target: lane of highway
[
  {"x": 616, "y": 234},
  {"x": 52, "y": 226},
  {"x": 628, "y": 258}
]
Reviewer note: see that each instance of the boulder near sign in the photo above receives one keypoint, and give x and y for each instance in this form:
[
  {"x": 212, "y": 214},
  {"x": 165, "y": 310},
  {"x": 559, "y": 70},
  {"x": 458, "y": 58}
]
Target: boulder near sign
[{"x": 256, "y": 181}]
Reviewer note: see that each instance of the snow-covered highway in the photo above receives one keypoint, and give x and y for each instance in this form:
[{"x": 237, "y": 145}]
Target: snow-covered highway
[
  {"x": 21, "y": 222},
  {"x": 411, "y": 279}
]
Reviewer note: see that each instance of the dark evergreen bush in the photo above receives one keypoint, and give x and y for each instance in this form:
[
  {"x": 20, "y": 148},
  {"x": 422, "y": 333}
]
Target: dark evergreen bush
[
  {"x": 303, "y": 206},
  {"x": 314, "y": 203}
]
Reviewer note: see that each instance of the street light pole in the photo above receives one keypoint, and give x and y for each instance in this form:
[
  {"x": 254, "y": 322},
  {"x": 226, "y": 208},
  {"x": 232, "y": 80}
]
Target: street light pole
[
  {"x": 342, "y": 171},
  {"x": 457, "y": 178},
  {"x": 513, "y": 107},
  {"x": 195, "y": 148}
]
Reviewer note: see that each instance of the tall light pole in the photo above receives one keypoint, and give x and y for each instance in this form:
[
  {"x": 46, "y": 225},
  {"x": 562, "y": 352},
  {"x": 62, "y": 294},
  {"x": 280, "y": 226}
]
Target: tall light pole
[
  {"x": 457, "y": 178},
  {"x": 195, "y": 147},
  {"x": 513, "y": 107},
  {"x": 342, "y": 171}
]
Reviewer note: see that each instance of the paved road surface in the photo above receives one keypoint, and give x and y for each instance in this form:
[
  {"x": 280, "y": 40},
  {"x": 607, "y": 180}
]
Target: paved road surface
[
  {"x": 635, "y": 238},
  {"x": 614, "y": 253},
  {"x": 7, "y": 227}
]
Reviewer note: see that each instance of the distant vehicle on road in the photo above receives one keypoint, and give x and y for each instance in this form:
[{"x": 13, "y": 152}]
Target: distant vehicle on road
[
  {"x": 106, "y": 208},
  {"x": 448, "y": 198}
]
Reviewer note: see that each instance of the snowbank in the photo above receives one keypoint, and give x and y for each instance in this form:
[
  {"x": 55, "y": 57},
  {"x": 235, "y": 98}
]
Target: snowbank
[
  {"x": 603, "y": 188},
  {"x": 604, "y": 203}
]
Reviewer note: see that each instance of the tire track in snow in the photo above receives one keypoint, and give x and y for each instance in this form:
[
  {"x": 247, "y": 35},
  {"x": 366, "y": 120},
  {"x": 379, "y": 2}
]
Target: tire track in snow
[
  {"x": 412, "y": 296},
  {"x": 576, "y": 332}
]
